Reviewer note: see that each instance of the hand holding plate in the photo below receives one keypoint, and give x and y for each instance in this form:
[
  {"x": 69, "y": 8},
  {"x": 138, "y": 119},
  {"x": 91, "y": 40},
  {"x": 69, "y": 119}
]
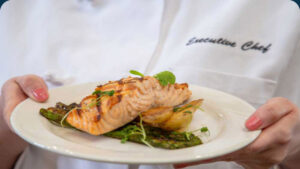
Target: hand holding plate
[
  {"x": 278, "y": 119},
  {"x": 14, "y": 91}
]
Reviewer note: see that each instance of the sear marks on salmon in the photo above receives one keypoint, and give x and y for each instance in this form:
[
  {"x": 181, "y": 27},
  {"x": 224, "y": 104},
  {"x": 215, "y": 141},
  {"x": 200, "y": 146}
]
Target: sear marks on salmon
[{"x": 131, "y": 96}]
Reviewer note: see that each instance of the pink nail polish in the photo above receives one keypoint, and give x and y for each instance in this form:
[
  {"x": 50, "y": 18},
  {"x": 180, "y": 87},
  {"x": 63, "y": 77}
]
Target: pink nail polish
[
  {"x": 40, "y": 94},
  {"x": 253, "y": 123}
]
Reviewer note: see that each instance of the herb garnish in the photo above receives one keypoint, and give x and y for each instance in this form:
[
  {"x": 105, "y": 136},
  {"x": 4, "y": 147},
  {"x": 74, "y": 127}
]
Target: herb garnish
[
  {"x": 202, "y": 130},
  {"x": 165, "y": 78},
  {"x": 128, "y": 131},
  {"x": 100, "y": 93},
  {"x": 64, "y": 118},
  {"x": 188, "y": 135},
  {"x": 176, "y": 109},
  {"x": 135, "y": 130},
  {"x": 200, "y": 108},
  {"x": 134, "y": 72}
]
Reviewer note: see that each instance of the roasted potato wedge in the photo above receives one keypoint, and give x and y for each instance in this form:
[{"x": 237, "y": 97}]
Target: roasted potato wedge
[{"x": 171, "y": 118}]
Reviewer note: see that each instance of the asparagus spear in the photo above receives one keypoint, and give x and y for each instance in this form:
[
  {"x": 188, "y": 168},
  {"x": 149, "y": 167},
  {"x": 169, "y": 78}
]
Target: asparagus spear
[
  {"x": 134, "y": 131},
  {"x": 156, "y": 137},
  {"x": 57, "y": 113}
]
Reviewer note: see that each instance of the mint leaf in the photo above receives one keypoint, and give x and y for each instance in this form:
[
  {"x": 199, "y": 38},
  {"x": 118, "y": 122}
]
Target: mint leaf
[
  {"x": 165, "y": 78},
  {"x": 134, "y": 72}
]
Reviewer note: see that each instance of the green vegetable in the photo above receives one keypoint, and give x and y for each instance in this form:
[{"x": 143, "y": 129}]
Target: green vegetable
[
  {"x": 176, "y": 109},
  {"x": 134, "y": 72},
  {"x": 200, "y": 108},
  {"x": 188, "y": 112},
  {"x": 143, "y": 132},
  {"x": 165, "y": 78},
  {"x": 204, "y": 129},
  {"x": 135, "y": 131},
  {"x": 63, "y": 122},
  {"x": 128, "y": 131},
  {"x": 57, "y": 114},
  {"x": 156, "y": 137},
  {"x": 99, "y": 94},
  {"x": 188, "y": 135},
  {"x": 50, "y": 115}
]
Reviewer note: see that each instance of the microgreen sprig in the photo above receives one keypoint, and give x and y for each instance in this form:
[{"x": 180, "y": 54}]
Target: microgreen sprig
[
  {"x": 202, "y": 130},
  {"x": 176, "y": 109},
  {"x": 130, "y": 130},
  {"x": 200, "y": 108},
  {"x": 64, "y": 118},
  {"x": 134, "y": 72},
  {"x": 100, "y": 93},
  {"x": 143, "y": 132},
  {"x": 135, "y": 130}
]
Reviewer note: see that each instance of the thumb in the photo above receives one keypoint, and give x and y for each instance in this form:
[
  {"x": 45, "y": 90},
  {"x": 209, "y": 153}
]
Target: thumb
[
  {"x": 34, "y": 87},
  {"x": 269, "y": 113}
]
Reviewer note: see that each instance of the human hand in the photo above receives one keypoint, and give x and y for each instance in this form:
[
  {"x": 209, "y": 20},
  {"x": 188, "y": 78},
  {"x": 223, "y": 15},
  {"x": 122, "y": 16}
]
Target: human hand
[
  {"x": 16, "y": 90},
  {"x": 13, "y": 92},
  {"x": 278, "y": 119}
]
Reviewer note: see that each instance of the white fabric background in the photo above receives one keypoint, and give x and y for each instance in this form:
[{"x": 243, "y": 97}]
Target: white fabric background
[{"x": 75, "y": 41}]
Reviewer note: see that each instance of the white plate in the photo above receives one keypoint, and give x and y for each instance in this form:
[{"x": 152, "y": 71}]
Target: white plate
[{"x": 224, "y": 116}]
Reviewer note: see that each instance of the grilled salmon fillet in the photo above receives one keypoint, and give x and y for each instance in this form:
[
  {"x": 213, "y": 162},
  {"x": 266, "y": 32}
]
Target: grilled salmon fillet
[{"x": 131, "y": 96}]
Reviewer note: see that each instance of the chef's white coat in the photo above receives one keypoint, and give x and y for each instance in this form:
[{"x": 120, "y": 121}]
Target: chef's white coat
[{"x": 249, "y": 48}]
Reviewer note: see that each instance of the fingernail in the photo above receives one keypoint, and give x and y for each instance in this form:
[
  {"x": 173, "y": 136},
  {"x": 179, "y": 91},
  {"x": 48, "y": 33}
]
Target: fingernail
[
  {"x": 40, "y": 94},
  {"x": 253, "y": 123}
]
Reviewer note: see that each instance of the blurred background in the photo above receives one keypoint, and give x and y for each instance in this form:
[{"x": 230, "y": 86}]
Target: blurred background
[{"x": 2, "y": 1}]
